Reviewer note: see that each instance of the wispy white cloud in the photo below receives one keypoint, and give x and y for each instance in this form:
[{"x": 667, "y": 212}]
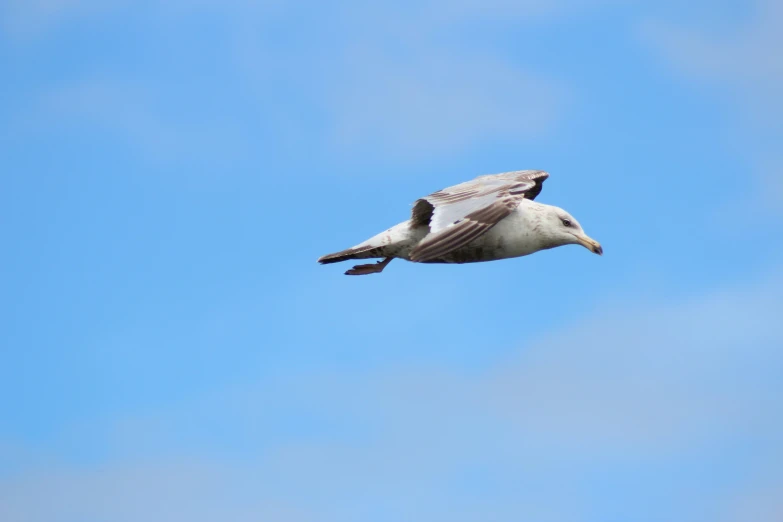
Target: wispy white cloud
[
  {"x": 437, "y": 101},
  {"x": 421, "y": 94},
  {"x": 762, "y": 504},
  {"x": 672, "y": 384},
  {"x": 173, "y": 491},
  {"x": 400, "y": 83},
  {"x": 28, "y": 19},
  {"x": 136, "y": 115},
  {"x": 741, "y": 58},
  {"x": 742, "y": 62}
]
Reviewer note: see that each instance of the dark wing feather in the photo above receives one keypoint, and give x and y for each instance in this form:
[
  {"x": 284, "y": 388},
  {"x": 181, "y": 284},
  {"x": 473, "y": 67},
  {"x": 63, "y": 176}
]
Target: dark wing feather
[{"x": 422, "y": 213}]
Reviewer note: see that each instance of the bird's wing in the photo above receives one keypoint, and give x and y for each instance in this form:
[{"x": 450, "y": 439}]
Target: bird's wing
[{"x": 457, "y": 215}]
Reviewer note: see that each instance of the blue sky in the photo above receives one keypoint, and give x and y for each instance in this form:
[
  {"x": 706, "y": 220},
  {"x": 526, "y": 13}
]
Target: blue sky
[{"x": 171, "y": 351}]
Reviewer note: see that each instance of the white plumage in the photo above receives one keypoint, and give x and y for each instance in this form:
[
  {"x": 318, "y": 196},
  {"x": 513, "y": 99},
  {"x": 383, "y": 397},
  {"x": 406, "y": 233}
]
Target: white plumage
[{"x": 488, "y": 218}]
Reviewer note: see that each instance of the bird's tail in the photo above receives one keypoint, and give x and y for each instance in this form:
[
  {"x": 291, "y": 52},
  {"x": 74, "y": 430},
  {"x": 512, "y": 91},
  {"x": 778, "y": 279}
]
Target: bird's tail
[{"x": 364, "y": 252}]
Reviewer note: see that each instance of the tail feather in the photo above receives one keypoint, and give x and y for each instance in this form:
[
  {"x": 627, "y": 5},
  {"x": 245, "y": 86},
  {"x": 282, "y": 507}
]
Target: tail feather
[{"x": 350, "y": 253}]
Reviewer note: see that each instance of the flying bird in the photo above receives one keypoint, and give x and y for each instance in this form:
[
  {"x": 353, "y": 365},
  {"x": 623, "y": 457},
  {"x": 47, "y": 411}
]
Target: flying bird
[{"x": 488, "y": 218}]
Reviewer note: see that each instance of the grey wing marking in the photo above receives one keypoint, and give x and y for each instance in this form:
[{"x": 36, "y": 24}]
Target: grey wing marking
[
  {"x": 457, "y": 215},
  {"x": 464, "y": 230},
  {"x": 536, "y": 176}
]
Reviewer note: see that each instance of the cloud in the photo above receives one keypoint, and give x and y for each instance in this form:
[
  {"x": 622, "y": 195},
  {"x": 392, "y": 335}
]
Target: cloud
[
  {"x": 435, "y": 90},
  {"x": 742, "y": 62},
  {"x": 172, "y": 491},
  {"x": 432, "y": 91},
  {"x": 678, "y": 398},
  {"x": 424, "y": 94},
  {"x": 135, "y": 115},
  {"x": 34, "y": 18},
  {"x": 437, "y": 101},
  {"x": 30, "y": 18},
  {"x": 741, "y": 58},
  {"x": 764, "y": 504}
]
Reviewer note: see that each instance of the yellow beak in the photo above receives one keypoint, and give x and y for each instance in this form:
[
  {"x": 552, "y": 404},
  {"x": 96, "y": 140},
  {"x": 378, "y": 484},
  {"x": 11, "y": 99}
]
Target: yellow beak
[{"x": 590, "y": 244}]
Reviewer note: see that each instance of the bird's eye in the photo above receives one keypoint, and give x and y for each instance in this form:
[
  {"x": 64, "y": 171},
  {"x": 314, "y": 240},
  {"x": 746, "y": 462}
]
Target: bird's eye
[{"x": 567, "y": 222}]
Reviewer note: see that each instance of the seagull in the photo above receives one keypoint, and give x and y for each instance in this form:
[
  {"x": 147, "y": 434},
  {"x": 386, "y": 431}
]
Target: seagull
[{"x": 488, "y": 218}]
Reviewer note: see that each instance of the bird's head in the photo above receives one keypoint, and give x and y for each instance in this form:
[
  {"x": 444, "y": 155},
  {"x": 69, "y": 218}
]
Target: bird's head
[{"x": 563, "y": 229}]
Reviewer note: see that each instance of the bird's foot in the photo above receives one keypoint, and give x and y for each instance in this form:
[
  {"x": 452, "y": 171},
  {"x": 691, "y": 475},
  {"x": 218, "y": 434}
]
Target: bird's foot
[{"x": 372, "y": 268}]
